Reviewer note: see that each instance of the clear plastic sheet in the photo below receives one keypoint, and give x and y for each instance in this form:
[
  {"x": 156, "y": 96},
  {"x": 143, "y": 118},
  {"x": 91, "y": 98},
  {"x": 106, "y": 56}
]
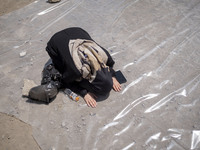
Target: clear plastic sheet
[{"x": 154, "y": 43}]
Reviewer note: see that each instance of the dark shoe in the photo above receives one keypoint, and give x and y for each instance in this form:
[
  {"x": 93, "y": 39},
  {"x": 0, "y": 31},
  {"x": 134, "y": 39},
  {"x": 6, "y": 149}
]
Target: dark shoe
[{"x": 44, "y": 92}]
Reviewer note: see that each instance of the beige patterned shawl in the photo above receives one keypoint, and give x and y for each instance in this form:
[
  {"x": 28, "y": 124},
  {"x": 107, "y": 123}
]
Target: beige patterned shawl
[{"x": 88, "y": 57}]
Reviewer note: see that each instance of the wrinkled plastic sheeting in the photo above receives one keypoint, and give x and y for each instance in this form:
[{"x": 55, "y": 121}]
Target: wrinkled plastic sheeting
[{"x": 154, "y": 43}]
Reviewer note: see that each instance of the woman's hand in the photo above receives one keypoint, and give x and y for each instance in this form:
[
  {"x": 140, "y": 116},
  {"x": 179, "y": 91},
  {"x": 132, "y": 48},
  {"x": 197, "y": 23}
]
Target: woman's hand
[
  {"x": 90, "y": 101},
  {"x": 116, "y": 85}
]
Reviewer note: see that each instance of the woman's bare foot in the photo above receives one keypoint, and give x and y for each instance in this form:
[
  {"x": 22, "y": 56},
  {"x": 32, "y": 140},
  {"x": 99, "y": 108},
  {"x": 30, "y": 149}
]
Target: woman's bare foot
[{"x": 116, "y": 85}]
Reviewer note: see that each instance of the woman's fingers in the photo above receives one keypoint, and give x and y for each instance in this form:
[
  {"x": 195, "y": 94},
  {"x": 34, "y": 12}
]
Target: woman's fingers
[
  {"x": 116, "y": 85},
  {"x": 115, "y": 88},
  {"x": 91, "y": 102},
  {"x": 87, "y": 102}
]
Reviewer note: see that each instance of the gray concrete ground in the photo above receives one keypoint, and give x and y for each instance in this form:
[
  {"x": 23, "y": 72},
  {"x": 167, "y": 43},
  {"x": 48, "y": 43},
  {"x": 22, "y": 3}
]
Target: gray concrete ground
[
  {"x": 154, "y": 43},
  {"x": 12, "y": 5}
]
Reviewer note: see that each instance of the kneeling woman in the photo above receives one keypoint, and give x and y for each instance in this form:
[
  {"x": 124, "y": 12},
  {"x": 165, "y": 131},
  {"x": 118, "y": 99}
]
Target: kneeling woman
[{"x": 78, "y": 63}]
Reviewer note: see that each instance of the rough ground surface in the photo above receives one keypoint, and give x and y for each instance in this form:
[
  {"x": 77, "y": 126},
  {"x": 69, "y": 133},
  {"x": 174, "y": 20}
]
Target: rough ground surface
[
  {"x": 154, "y": 43},
  {"x": 7, "y": 6},
  {"x": 15, "y": 134}
]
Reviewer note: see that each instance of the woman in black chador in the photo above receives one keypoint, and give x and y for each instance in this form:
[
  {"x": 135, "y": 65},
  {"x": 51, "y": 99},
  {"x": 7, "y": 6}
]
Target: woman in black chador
[{"x": 78, "y": 63}]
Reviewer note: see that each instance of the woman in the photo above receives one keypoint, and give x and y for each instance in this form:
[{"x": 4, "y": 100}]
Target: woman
[{"x": 78, "y": 63}]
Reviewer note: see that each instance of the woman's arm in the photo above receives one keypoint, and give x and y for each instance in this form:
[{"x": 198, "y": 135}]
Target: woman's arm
[
  {"x": 88, "y": 97},
  {"x": 110, "y": 63}
]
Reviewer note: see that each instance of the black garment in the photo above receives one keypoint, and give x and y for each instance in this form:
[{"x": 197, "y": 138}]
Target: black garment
[{"x": 58, "y": 50}]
